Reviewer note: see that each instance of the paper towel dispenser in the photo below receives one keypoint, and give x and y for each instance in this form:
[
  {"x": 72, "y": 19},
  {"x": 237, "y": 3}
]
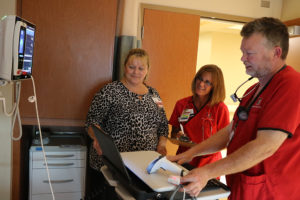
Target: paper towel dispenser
[{"x": 294, "y": 30}]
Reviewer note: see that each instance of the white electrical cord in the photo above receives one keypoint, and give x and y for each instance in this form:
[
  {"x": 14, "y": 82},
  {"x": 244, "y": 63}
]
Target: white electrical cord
[
  {"x": 183, "y": 197},
  {"x": 17, "y": 113},
  {"x": 4, "y": 107},
  {"x": 33, "y": 99},
  {"x": 175, "y": 191}
]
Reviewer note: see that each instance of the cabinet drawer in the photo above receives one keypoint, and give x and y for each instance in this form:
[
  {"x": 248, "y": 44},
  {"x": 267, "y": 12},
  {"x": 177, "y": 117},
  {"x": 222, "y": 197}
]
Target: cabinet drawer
[
  {"x": 59, "y": 155},
  {"x": 63, "y": 180},
  {"x": 59, "y": 196},
  {"x": 52, "y": 163}
]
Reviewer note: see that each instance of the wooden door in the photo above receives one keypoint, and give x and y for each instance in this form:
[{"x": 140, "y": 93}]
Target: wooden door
[{"x": 171, "y": 40}]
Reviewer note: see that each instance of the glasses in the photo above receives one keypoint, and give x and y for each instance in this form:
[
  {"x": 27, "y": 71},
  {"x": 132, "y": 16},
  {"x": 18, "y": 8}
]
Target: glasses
[{"x": 206, "y": 82}]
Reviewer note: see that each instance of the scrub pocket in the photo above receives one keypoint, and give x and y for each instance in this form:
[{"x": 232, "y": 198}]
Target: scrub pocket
[{"x": 251, "y": 188}]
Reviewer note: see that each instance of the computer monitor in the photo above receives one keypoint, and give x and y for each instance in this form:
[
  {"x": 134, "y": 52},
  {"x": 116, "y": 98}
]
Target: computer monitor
[{"x": 17, "y": 38}]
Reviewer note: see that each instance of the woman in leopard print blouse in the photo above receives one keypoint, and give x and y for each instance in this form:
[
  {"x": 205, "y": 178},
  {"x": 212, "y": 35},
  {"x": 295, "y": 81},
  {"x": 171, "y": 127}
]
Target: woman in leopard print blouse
[{"x": 130, "y": 111}]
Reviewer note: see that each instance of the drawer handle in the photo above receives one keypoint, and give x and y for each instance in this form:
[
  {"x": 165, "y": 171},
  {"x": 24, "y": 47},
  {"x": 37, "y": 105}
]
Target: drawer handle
[
  {"x": 60, "y": 156},
  {"x": 59, "y": 181},
  {"x": 59, "y": 164}
]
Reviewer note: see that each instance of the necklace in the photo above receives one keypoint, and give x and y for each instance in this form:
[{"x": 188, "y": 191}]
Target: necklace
[{"x": 139, "y": 90}]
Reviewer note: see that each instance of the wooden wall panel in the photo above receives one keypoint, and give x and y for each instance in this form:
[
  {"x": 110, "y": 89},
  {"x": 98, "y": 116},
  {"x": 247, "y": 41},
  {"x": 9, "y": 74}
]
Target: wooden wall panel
[
  {"x": 73, "y": 55},
  {"x": 292, "y": 22}
]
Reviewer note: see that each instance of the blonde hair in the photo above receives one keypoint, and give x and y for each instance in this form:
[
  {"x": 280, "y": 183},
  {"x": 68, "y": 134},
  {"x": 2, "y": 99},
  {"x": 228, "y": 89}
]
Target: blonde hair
[
  {"x": 140, "y": 53},
  {"x": 217, "y": 94}
]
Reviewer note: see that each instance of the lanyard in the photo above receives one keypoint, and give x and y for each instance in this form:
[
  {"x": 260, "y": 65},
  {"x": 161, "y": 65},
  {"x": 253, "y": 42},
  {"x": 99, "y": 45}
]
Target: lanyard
[{"x": 191, "y": 116}]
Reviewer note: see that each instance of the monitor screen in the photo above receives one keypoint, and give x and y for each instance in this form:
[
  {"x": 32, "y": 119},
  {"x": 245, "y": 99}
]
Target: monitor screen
[
  {"x": 17, "y": 38},
  {"x": 21, "y": 41},
  {"x": 28, "y": 50}
]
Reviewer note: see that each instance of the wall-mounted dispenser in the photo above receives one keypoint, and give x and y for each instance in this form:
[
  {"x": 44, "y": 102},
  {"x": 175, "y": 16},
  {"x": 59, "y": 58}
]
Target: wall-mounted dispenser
[{"x": 294, "y": 30}]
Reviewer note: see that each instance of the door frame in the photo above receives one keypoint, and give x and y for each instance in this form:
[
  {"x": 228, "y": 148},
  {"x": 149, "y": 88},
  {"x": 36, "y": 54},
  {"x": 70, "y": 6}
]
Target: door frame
[{"x": 212, "y": 15}]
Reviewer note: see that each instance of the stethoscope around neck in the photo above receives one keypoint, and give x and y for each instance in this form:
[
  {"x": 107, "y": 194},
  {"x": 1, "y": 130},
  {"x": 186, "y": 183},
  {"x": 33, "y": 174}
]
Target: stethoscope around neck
[
  {"x": 234, "y": 96},
  {"x": 243, "y": 112}
]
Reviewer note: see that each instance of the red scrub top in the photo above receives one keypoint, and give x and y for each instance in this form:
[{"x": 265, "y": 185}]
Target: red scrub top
[
  {"x": 277, "y": 108},
  {"x": 200, "y": 125}
]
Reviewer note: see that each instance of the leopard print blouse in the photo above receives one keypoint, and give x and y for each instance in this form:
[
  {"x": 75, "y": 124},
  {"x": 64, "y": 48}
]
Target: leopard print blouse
[{"x": 135, "y": 123}]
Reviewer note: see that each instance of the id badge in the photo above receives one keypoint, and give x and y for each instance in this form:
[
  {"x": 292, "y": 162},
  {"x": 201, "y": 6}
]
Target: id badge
[
  {"x": 186, "y": 115},
  {"x": 158, "y": 102}
]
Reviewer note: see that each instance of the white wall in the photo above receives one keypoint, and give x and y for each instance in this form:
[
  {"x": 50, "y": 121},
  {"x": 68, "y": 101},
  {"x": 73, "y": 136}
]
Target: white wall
[
  {"x": 290, "y": 10},
  {"x": 5, "y": 144},
  {"x": 227, "y": 55},
  {"x": 204, "y": 49},
  {"x": 7, "y": 7},
  {"x": 223, "y": 49},
  {"x": 244, "y": 8}
]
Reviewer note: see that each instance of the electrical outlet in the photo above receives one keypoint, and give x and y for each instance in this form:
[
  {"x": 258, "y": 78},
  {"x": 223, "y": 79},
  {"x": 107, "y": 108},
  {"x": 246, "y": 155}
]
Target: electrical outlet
[
  {"x": 3, "y": 82},
  {"x": 265, "y": 4}
]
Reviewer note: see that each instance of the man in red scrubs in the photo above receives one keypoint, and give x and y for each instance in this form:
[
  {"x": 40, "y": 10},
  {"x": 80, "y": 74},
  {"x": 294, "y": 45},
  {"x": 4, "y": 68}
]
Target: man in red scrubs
[{"x": 263, "y": 140}]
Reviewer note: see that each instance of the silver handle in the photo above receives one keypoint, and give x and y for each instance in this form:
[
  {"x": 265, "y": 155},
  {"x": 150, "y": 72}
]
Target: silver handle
[
  {"x": 59, "y": 181},
  {"x": 59, "y": 164},
  {"x": 60, "y": 156}
]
